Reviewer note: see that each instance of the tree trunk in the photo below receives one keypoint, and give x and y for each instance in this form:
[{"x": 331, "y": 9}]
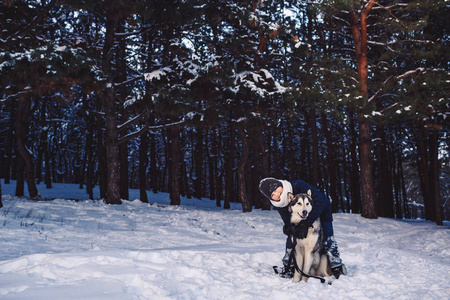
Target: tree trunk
[
  {"x": 331, "y": 161},
  {"x": 20, "y": 181},
  {"x": 354, "y": 175},
  {"x": 173, "y": 140},
  {"x": 111, "y": 133},
  {"x": 229, "y": 162},
  {"x": 246, "y": 205},
  {"x": 153, "y": 162},
  {"x": 123, "y": 162},
  {"x": 212, "y": 163},
  {"x": 273, "y": 152},
  {"x": 10, "y": 141},
  {"x": 368, "y": 191},
  {"x": 42, "y": 141},
  {"x": 184, "y": 180},
  {"x": 89, "y": 155},
  {"x": 424, "y": 177},
  {"x": 263, "y": 158},
  {"x": 23, "y": 110},
  {"x": 143, "y": 163},
  {"x": 48, "y": 171},
  {"x": 218, "y": 173},
  {"x": 198, "y": 162},
  {"x": 434, "y": 176},
  {"x": 385, "y": 201},
  {"x": 396, "y": 182},
  {"x": 314, "y": 179},
  {"x": 102, "y": 172},
  {"x": 365, "y": 144},
  {"x": 121, "y": 94},
  {"x": 402, "y": 184}
]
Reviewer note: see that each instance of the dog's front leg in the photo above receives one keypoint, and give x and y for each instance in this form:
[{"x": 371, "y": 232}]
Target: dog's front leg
[
  {"x": 308, "y": 260},
  {"x": 299, "y": 261}
]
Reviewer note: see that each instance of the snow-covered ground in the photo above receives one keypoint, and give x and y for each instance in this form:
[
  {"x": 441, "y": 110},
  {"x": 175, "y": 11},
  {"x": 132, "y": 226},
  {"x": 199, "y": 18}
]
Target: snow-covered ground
[{"x": 64, "y": 249}]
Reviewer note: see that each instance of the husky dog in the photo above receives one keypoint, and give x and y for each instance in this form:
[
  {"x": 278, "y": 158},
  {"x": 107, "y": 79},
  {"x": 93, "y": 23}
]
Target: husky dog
[{"x": 309, "y": 253}]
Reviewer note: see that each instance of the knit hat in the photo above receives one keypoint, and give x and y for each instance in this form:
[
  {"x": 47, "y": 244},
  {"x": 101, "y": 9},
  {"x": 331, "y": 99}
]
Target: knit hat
[{"x": 268, "y": 185}]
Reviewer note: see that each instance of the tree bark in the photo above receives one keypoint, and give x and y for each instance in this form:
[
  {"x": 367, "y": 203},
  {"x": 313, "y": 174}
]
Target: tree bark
[
  {"x": 263, "y": 158},
  {"x": 434, "y": 176},
  {"x": 42, "y": 141},
  {"x": 212, "y": 163},
  {"x": 121, "y": 94},
  {"x": 359, "y": 30},
  {"x": 143, "y": 163},
  {"x": 10, "y": 141},
  {"x": 111, "y": 132},
  {"x": 20, "y": 180},
  {"x": 198, "y": 162},
  {"x": 354, "y": 175},
  {"x": 402, "y": 184},
  {"x": 331, "y": 161},
  {"x": 89, "y": 155},
  {"x": 217, "y": 171},
  {"x": 173, "y": 140},
  {"x": 102, "y": 171},
  {"x": 385, "y": 201},
  {"x": 229, "y": 162},
  {"x": 424, "y": 176},
  {"x": 23, "y": 110},
  {"x": 246, "y": 205},
  {"x": 153, "y": 162}
]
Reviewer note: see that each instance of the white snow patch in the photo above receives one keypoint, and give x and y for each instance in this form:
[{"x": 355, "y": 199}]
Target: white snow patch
[{"x": 63, "y": 249}]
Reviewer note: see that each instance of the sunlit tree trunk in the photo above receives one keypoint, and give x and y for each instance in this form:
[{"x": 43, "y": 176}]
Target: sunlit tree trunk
[{"x": 359, "y": 31}]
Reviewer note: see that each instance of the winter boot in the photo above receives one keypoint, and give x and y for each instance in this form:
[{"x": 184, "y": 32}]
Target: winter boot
[
  {"x": 286, "y": 257},
  {"x": 331, "y": 248},
  {"x": 288, "y": 269}
]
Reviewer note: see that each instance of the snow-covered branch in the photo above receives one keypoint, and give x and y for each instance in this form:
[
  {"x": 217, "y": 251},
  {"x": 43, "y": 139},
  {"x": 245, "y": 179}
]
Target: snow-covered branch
[
  {"x": 15, "y": 95},
  {"x": 393, "y": 79},
  {"x": 132, "y": 135},
  {"x": 145, "y": 129},
  {"x": 131, "y": 121},
  {"x": 399, "y": 42}
]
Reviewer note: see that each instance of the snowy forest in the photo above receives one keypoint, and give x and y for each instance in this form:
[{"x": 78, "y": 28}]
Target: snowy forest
[{"x": 203, "y": 99}]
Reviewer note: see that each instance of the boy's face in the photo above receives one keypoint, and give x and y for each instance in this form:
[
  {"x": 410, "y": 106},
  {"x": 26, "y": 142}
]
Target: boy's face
[{"x": 277, "y": 193}]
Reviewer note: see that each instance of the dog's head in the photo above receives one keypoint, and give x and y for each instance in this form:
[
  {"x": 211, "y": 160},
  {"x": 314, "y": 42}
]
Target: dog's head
[{"x": 300, "y": 206}]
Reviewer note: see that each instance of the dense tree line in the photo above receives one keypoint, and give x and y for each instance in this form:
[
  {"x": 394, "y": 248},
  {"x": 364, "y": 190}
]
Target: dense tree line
[{"x": 204, "y": 98}]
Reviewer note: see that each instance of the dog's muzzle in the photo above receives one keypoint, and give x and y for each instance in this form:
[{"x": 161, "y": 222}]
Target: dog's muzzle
[{"x": 304, "y": 214}]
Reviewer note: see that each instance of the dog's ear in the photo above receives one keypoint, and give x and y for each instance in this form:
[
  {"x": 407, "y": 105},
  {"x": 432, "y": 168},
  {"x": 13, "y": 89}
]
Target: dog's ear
[
  {"x": 290, "y": 196},
  {"x": 308, "y": 193}
]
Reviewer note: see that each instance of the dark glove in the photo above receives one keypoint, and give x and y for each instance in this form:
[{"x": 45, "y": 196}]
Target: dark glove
[
  {"x": 300, "y": 230},
  {"x": 287, "y": 229}
]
